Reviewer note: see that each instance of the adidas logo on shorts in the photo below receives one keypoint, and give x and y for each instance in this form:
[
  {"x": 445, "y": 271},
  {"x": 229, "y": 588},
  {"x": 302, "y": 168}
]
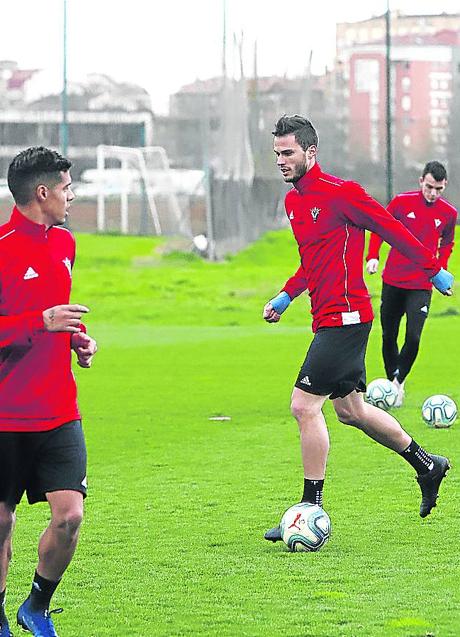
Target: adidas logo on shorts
[{"x": 305, "y": 381}]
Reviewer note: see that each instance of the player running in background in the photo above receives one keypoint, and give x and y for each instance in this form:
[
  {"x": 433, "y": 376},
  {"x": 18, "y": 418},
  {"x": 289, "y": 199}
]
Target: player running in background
[
  {"x": 406, "y": 290},
  {"x": 42, "y": 448},
  {"x": 328, "y": 217}
]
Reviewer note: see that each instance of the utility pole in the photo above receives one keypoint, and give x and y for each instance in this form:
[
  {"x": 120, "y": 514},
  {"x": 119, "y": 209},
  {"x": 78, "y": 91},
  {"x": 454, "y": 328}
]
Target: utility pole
[{"x": 389, "y": 136}]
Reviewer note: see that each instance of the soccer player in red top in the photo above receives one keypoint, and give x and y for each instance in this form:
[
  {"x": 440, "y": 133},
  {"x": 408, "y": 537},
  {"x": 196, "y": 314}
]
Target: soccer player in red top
[
  {"x": 328, "y": 217},
  {"x": 42, "y": 448},
  {"x": 406, "y": 289}
]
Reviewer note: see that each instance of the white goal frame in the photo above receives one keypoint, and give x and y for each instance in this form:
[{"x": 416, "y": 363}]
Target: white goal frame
[{"x": 135, "y": 157}]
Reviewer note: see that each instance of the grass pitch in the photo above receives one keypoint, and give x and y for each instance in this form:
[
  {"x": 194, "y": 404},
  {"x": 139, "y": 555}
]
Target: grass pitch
[{"x": 178, "y": 503}]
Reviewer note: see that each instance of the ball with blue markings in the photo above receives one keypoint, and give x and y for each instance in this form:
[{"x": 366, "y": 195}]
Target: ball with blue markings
[{"x": 305, "y": 527}]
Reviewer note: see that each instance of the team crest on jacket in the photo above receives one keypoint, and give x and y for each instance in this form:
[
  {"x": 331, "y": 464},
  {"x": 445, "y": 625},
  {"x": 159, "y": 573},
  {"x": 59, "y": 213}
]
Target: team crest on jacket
[
  {"x": 314, "y": 213},
  {"x": 68, "y": 265}
]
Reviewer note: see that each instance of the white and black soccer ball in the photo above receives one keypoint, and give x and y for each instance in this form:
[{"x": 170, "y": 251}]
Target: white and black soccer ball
[
  {"x": 439, "y": 411},
  {"x": 381, "y": 393},
  {"x": 305, "y": 527}
]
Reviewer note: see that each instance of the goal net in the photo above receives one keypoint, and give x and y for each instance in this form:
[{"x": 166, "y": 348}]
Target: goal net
[{"x": 137, "y": 192}]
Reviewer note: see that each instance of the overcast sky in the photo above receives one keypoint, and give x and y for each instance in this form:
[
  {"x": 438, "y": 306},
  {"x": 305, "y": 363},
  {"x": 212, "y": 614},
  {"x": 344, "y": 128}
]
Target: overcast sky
[{"x": 164, "y": 44}]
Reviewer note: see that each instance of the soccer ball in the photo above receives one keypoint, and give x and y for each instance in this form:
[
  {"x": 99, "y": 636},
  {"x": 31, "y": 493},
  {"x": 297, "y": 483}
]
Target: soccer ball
[
  {"x": 381, "y": 393},
  {"x": 305, "y": 527},
  {"x": 439, "y": 411}
]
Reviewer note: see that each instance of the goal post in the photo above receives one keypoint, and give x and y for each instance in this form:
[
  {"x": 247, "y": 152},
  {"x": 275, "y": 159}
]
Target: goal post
[{"x": 139, "y": 178}]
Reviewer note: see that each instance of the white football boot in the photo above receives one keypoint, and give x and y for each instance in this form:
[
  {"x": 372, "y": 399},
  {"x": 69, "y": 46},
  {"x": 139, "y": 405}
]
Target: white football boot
[{"x": 400, "y": 387}]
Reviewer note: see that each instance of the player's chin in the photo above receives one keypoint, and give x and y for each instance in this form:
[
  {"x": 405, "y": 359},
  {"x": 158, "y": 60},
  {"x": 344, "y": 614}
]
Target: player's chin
[{"x": 61, "y": 221}]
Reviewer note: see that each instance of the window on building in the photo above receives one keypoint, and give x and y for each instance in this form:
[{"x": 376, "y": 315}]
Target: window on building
[
  {"x": 366, "y": 76},
  {"x": 406, "y": 141},
  {"x": 405, "y": 83},
  {"x": 406, "y": 103}
]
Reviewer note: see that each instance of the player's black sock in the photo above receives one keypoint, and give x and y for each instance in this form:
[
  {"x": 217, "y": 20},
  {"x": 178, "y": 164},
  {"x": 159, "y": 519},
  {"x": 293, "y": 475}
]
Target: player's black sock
[
  {"x": 2, "y": 606},
  {"x": 418, "y": 458},
  {"x": 313, "y": 491},
  {"x": 41, "y": 593}
]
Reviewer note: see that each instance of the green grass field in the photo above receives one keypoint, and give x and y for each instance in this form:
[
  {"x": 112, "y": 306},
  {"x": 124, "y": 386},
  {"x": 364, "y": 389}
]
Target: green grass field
[{"x": 178, "y": 503}]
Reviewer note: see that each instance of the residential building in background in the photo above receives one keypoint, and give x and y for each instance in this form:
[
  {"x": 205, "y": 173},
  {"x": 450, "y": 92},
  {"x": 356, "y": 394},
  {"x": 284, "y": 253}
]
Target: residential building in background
[
  {"x": 424, "y": 53},
  {"x": 221, "y": 127}
]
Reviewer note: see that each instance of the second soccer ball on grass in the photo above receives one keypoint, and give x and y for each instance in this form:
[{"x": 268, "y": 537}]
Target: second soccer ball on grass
[
  {"x": 382, "y": 393},
  {"x": 439, "y": 411}
]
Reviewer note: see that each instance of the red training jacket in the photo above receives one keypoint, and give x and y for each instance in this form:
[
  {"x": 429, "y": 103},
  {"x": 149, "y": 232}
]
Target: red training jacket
[
  {"x": 433, "y": 224},
  {"x": 328, "y": 217},
  {"x": 37, "y": 386}
]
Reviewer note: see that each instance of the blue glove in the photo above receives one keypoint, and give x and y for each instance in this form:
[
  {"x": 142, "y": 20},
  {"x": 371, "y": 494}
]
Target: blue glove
[
  {"x": 280, "y": 302},
  {"x": 442, "y": 281}
]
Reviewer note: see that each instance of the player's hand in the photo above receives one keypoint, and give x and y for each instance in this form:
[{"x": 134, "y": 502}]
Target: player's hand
[
  {"x": 64, "y": 318},
  {"x": 443, "y": 282},
  {"x": 372, "y": 266},
  {"x": 85, "y": 347},
  {"x": 270, "y": 315}
]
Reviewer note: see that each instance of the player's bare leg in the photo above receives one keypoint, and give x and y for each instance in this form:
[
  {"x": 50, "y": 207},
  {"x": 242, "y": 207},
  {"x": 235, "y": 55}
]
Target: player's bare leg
[
  {"x": 7, "y": 520},
  {"x": 55, "y": 551},
  {"x": 314, "y": 437},
  {"x": 314, "y": 445},
  {"x": 59, "y": 541},
  {"x": 376, "y": 423},
  {"x": 385, "y": 429}
]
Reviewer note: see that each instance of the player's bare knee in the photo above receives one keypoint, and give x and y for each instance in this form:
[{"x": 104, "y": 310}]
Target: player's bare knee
[
  {"x": 6, "y": 523},
  {"x": 301, "y": 411},
  {"x": 348, "y": 416},
  {"x": 68, "y": 523}
]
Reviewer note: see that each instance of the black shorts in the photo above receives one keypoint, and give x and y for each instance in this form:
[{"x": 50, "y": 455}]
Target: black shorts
[
  {"x": 40, "y": 462},
  {"x": 335, "y": 361}
]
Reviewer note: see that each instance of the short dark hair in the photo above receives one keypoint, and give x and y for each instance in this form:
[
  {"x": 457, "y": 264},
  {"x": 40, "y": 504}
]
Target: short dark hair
[
  {"x": 436, "y": 169},
  {"x": 34, "y": 166},
  {"x": 302, "y": 129}
]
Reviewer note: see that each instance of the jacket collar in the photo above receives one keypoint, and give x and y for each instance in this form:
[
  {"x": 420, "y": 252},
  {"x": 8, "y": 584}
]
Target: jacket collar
[
  {"x": 21, "y": 222},
  {"x": 306, "y": 181}
]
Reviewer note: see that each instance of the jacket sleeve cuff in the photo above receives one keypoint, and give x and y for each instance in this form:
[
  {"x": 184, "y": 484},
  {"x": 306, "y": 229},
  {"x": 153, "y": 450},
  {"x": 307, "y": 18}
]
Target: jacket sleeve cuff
[
  {"x": 292, "y": 291},
  {"x": 35, "y": 327}
]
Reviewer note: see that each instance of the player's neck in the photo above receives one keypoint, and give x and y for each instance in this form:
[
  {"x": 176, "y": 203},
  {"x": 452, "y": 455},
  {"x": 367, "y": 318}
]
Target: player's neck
[{"x": 34, "y": 213}]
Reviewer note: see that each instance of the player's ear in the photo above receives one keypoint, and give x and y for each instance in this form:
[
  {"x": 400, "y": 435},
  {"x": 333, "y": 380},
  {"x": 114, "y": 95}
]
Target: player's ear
[
  {"x": 311, "y": 151},
  {"x": 420, "y": 181},
  {"x": 41, "y": 192}
]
